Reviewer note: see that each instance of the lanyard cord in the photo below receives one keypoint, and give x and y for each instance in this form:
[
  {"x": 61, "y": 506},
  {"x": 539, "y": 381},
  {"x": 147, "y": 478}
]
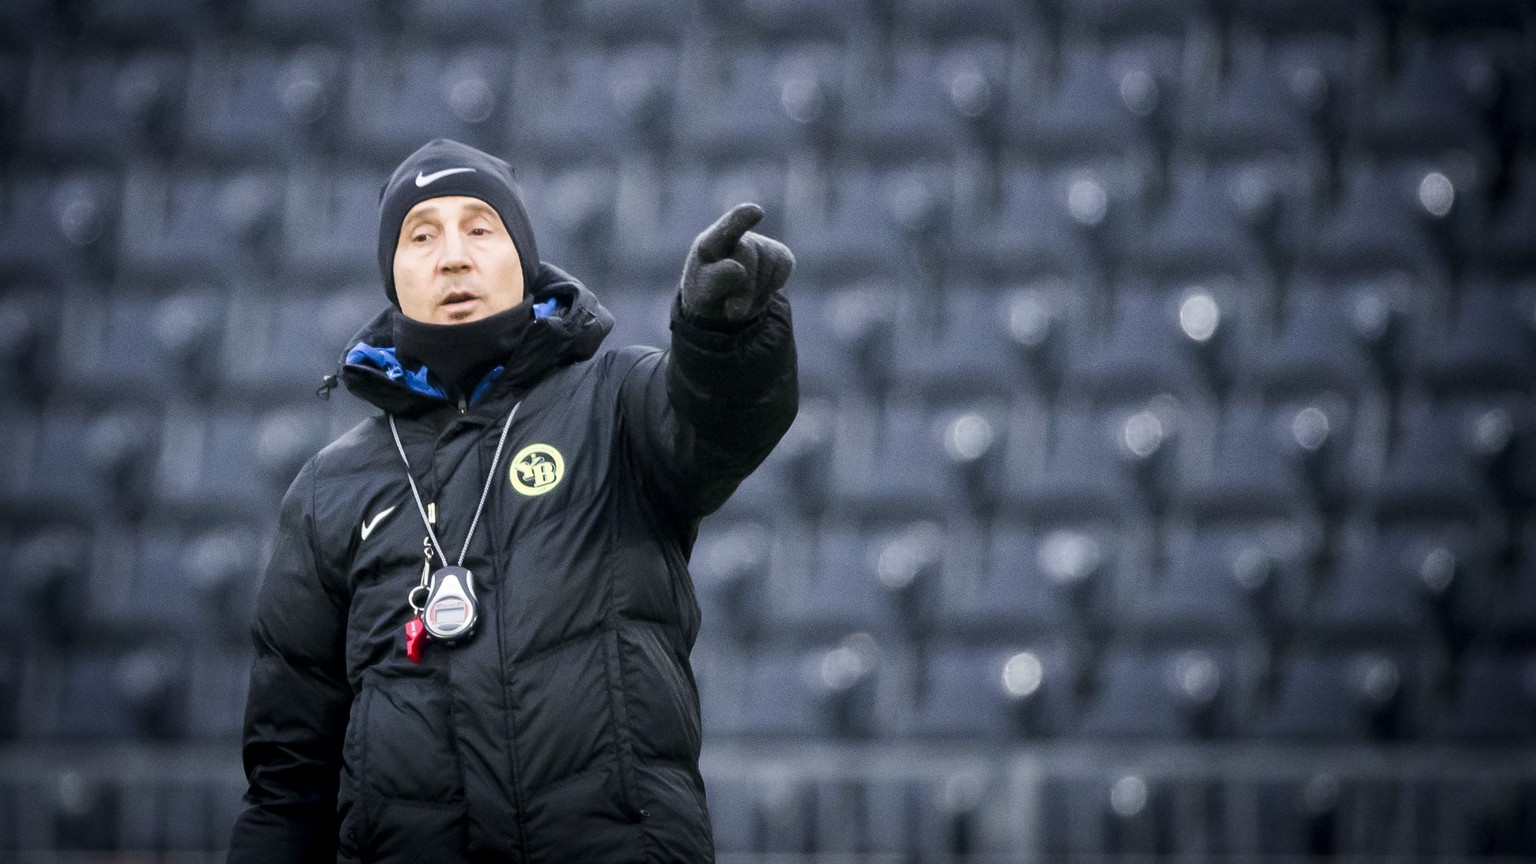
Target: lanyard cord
[{"x": 484, "y": 493}]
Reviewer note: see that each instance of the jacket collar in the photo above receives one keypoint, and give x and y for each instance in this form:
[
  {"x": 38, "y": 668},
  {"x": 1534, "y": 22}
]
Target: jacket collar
[{"x": 569, "y": 336}]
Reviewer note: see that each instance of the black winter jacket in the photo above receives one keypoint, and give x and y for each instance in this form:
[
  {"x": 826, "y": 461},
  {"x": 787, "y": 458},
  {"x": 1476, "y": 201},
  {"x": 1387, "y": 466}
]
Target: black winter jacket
[{"x": 567, "y": 729}]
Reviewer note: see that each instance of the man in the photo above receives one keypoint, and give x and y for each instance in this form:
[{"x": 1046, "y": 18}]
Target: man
[{"x": 529, "y": 698}]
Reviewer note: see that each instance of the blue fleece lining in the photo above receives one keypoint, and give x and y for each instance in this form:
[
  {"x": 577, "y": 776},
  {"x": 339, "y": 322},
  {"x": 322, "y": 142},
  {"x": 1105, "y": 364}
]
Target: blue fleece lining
[
  {"x": 385, "y": 360},
  {"x": 363, "y": 354}
]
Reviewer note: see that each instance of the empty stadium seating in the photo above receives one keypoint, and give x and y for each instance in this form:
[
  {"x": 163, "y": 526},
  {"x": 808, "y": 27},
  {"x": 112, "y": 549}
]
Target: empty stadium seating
[{"x": 1162, "y": 485}]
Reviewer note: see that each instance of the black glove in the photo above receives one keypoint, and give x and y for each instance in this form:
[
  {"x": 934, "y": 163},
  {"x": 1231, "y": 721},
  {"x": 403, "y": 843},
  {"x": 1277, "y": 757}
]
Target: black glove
[{"x": 731, "y": 271}]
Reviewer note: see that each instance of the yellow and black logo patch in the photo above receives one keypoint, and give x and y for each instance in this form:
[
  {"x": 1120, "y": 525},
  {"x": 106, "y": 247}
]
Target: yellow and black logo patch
[{"x": 536, "y": 469}]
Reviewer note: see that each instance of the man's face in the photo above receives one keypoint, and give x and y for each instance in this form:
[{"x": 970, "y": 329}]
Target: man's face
[{"x": 455, "y": 262}]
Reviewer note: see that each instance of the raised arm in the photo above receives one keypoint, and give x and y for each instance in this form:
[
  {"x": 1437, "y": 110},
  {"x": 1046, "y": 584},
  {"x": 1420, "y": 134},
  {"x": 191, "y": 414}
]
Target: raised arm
[{"x": 703, "y": 415}]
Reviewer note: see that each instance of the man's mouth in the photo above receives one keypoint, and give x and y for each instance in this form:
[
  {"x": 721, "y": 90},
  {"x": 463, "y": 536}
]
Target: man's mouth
[{"x": 456, "y": 297}]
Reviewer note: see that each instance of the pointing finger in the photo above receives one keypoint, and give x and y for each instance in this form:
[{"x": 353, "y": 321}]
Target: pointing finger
[{"x": 719, "y": 240}]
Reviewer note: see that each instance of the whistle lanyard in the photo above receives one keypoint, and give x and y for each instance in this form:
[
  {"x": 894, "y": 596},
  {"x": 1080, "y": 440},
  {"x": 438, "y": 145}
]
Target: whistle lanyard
[
  {"x": 449, "y": 611},
  {"x": 484, "y": 493}
]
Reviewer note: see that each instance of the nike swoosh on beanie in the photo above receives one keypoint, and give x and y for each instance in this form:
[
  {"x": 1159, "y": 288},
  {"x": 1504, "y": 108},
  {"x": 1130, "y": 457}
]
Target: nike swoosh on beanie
[{"x": 444, "y": 167}]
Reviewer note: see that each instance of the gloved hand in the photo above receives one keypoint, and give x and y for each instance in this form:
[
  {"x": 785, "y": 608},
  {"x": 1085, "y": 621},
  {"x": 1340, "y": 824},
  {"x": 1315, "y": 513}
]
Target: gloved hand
[{"x": 731, "y": 271}]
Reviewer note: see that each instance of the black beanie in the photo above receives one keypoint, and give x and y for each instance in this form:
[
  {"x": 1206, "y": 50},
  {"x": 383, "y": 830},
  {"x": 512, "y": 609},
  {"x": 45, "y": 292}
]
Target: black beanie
[{"x": 443, "y": 167}]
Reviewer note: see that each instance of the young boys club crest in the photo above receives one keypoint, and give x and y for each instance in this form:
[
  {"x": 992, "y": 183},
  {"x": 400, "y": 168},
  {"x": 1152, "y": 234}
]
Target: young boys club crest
[{"x": 536, "y": 469}]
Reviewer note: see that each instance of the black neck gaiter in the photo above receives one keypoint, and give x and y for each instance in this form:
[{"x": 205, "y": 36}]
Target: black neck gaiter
[{"x": 459, "y": 355}]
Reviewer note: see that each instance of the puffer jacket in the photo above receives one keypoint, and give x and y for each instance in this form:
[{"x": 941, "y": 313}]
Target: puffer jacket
[{"x": 567, "y": 729}]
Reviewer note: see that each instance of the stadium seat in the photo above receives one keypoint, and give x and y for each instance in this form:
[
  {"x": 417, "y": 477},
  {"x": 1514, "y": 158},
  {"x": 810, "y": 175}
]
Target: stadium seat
[
  {"x": 920, "y": 462},
  {"x": 22, "y": 23},
  {"x": 70, "y": 810},
  {"x": 199, "y": 584},
  {"x": 329, "y": 230},
  {"x": 760, "y": 104},
  {"x": 592, "y": 104},
  {"x": 216, "y": 692},
  {"x": 1327, "y": 339},
  {"x": 882, "y": 581},
  {"x": 1401, "y": 583},
  {"x": 786, "y": 22},
  {"x": 929, "y": 104},
  {"x": 1385, "y": 221},
  {"x": 1106, "y": 103},
  {"x": 621, "y": 21},
  {"x": 1058, "y": 223},
  {"x": 1427, "y": 109},
  {"x": 58, "y": 228},
  {"x": 343, "y": 22},
  {"x": 1475, "y": 817},
  {"x": 397, "y": 102},
  {"x": 950, "y": 814},
  {"x": 1127, "y": 20},
  {"x": 1491, "y": 699},
  {"x": 1096, "y": 817},
  {"x": 993, "y": 694},
  {"x": 1509, "y": 243},
  {"x": 82, "y": 463},
  {"x": 1489, "y": 344},
  {"x": 11, "y": 830},
  {"x": 572, "y": 213},
  {"x": 127, "y": 348},
  {"x": 1321, "y": 814},
  {"x": 153, "y": 22},
  {"x": 1257, "y": 111},
  {"x": 873, "y": 222},
  {"x": 285, "y": 346},
  {"x": 640, "y": 317},
  {"x": 761, "y": 814},
  {"x": 106, "y": 109},
  {"x": 821, "y": 691},
  {"x": 1512, "y": 620},
  {"x": 262, "y": 107},
  {"x": 456, "y": 22},
  {"x": 1440, "y": 464},
  {"x": 217, "y": 226},
  {"x": 1082, "y": 468},
  {"x": 932, "y": 20},
  {"x": 49, "y": 581},
  {"x": 1342, "y": 696},
  {"x": 1028, "y": 585},
  {"x": 1448, "y": 14},
  {"x": 1199, "y": 234},
  {"x": 849, "y": 342},
  {"x": 10, "y": 681},
  {"x": 1162, "y": 695},
  {"x": 974, "y": 343},
  {"x": 1256, "y": 469},
  {"x": 1293, "y": 18},
  {"x": 1231, "y": 579},
  {"x": 186, "y": 815},
  {"x": 29, "y": 338},
  {"x": 233, "y": 463},
  {"x": 1152, "y": 344},
  {"x": 112, "y": 697}
]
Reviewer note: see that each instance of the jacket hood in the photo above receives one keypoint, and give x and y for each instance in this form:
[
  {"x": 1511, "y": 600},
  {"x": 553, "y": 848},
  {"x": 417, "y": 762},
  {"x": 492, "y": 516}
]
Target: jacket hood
[{"x": 572, "y": 333}]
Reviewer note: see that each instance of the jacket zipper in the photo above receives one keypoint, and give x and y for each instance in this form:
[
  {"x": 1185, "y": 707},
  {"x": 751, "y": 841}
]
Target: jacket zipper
[{"x": 461, "y": 404}]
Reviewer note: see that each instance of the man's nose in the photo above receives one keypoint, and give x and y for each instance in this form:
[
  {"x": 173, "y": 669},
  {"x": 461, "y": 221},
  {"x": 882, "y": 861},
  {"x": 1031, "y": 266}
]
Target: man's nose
[{"x": 455, "y": 253}]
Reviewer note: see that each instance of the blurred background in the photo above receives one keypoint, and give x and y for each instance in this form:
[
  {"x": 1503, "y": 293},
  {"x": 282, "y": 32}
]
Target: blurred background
[{"x": 1162, "y": 487}]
